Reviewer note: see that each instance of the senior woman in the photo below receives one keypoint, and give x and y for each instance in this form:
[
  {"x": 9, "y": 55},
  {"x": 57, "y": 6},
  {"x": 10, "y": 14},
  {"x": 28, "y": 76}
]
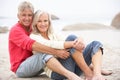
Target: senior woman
[{"x": 81, "y": 55}]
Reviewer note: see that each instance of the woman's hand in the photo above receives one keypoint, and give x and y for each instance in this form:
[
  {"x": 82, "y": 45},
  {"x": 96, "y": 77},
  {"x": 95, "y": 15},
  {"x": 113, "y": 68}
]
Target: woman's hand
[{"x": 79, "y": 44}]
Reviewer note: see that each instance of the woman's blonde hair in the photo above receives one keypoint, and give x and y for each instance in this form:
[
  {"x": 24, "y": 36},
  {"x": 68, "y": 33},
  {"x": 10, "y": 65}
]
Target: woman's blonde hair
[
  {"x": 25, "y": 5},
  {"x": 37, "y": 14}
]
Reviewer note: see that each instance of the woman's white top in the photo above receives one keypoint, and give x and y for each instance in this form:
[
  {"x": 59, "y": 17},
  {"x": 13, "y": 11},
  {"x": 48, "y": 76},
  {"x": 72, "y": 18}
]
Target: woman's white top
[{"x": 56, "y": 41}]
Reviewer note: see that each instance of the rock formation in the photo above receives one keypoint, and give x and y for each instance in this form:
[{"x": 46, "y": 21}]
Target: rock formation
[
  {"x": 86, "y": 26},
  {"x": 116, "y": 21}
]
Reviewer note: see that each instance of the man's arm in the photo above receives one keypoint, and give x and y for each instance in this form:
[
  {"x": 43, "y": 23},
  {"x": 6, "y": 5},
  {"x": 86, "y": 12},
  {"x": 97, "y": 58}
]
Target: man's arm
[{"x": 48, "y": 50}]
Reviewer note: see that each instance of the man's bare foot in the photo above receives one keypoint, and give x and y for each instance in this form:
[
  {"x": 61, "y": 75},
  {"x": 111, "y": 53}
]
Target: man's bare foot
[
  {"x": 88, "y": 78},
  {"x": 74, "y": 77}
]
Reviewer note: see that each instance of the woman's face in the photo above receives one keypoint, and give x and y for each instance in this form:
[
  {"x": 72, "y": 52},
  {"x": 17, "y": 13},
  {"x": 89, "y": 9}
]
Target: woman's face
[{"x": 43, "y": 23}]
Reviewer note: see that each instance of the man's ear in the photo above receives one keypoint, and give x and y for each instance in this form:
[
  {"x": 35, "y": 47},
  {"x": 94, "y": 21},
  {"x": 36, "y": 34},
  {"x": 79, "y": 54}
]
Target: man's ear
[{"x": 18, "y": 16}]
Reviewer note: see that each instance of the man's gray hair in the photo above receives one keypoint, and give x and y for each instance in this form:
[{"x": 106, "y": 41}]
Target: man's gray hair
[{"x": 25, "y": 5}]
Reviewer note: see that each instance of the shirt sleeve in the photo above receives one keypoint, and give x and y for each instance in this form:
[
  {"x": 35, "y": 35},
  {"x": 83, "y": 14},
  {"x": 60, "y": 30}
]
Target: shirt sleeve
[{"x": 21, "y": 39}]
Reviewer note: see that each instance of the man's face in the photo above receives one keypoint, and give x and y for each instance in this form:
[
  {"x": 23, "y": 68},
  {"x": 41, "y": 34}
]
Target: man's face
[{"x": 25, "y": 17}]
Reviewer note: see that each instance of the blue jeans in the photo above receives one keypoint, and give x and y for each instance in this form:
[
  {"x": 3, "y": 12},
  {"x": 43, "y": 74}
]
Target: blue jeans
[
  {"x": 70, "y": 64},
  {"x": 33, "y": 65}
]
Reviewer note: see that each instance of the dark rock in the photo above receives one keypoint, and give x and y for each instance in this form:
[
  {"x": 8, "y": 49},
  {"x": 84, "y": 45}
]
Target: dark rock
[
  {"x": 116, "y": 21},
  {"x": 3, "y": 29},
  {"x": 54, "y": 17}
]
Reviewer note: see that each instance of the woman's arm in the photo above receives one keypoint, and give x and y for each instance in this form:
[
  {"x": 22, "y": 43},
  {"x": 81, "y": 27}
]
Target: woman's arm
[{"x": 68, "y": 44}]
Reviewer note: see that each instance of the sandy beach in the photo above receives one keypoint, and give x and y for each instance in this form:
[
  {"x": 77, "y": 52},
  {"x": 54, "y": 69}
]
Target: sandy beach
[{"x": 111, "y": 58}]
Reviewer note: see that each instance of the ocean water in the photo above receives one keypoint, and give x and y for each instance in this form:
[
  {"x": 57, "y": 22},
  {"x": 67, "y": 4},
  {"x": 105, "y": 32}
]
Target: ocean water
[
  {"x": 59, "y": 24},
  {"x": 8, "y": 22}
]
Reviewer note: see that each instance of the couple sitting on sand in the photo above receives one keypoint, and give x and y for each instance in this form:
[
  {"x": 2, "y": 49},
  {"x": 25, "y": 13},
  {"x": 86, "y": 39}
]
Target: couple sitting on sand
[{"x": 61, "y": 58}]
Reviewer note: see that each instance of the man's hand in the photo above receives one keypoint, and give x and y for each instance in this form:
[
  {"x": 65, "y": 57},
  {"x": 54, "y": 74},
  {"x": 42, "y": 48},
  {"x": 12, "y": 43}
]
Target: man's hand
[{"x": 63, "y": 54}]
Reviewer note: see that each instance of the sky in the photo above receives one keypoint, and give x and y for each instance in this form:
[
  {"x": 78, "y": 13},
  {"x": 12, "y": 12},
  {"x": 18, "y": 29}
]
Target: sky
[{"x": 69, "y": 9}]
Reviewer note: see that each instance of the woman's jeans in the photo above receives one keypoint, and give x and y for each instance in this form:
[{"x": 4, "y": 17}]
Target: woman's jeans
[{"x": 70, "y": 64}]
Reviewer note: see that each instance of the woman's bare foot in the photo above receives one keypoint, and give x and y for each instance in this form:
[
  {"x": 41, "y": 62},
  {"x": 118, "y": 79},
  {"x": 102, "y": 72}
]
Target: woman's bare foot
[
  {"x": 98, "y": 77},
  {"x": 106, "y": 72},
  {"x": 103, "y": 72},
  {"x": 95, "y": 77}
]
